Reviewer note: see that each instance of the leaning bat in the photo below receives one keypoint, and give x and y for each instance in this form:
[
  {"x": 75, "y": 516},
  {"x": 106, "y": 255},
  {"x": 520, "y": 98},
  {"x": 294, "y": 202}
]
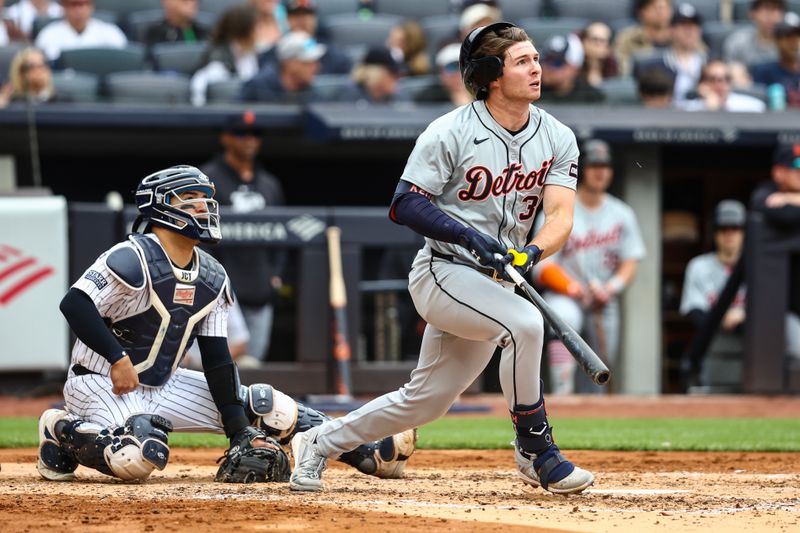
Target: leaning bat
[
  {"x": 589, "y": 361},
  {"x": 338, "y": 299}
]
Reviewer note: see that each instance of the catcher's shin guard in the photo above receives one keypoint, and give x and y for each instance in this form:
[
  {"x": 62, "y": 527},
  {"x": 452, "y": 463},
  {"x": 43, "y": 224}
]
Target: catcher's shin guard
[{"x": 385, "y": 458}]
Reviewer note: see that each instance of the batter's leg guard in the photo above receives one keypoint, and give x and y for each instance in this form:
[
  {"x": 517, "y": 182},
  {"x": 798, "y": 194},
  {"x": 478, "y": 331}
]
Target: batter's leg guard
[
  {"x": 385, "y": 458},
  {"x": 539, "y": 461},
  {"x": 130, "y": 452},
  {"x": 277, "y": 414},
  {"x": 54, "y": 463}
]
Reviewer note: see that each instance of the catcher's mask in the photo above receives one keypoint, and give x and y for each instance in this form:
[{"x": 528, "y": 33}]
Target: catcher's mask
[
  {"x": 479, "y": 73},
  {"x": 158, "y": 198}
]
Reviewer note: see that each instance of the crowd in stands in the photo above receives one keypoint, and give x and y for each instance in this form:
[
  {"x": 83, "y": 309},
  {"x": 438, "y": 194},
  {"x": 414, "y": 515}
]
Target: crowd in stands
[{"x": 732, "y": 55}]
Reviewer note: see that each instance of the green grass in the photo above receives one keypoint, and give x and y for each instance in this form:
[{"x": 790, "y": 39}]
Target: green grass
[{"x": 698, "y": 434}]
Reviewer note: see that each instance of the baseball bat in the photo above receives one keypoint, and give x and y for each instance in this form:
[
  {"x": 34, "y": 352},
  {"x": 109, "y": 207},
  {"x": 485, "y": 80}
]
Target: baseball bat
[
  {"x": 583, "y": 354},
  {"x": 338, "y": 298}
]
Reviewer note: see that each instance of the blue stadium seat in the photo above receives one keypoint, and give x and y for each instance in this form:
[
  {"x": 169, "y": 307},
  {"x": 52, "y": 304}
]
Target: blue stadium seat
[
  {"x": 346, "y": 29},
  {"x": 715, "y": 33},
  {"x": 606, "y": 11},
  {"x": 409, "y": 87},
  {"x": 709, "y": 10},
  {"x": 516, "y": 10},
  {"x": 541, "y": 29},
  {"x": 329, "y": 86},
  {"x": 183, "y": 58},
  {"x": 414, "y": 9},
  {"x": 223, "y": 91},
  {"x": 439, "y": 30},
  {"x": 621, "y": 90},
  {"x": 336, "y": 7},
  {"x": 218, "y": 6},
  {"x": 7, "y": 54},
  {"x": 122, "y": 8},
  {"x": 148, "y": 87},
  {"x": 102, "y": 61},
  {"x": 76, "y": 86}
]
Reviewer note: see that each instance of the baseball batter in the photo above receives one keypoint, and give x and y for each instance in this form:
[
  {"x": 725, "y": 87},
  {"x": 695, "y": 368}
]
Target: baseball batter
[
  {"x": 587, "y": 276},
  {"x": 135, "y": 311},
  {"x": 472, "y": 186}
]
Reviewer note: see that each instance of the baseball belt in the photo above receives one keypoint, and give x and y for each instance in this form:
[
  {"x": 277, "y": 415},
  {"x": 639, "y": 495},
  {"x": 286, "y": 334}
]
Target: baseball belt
[{"x": 483, "y": 270}]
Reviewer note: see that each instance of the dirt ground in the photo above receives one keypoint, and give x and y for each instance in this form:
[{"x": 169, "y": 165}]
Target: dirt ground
[{"x": 464, "y": 490}]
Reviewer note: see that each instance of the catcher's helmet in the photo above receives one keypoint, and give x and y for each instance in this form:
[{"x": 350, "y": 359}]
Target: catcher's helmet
[
  {"x": 479, "y": 73},
  {"x": 159, "y": 203}
]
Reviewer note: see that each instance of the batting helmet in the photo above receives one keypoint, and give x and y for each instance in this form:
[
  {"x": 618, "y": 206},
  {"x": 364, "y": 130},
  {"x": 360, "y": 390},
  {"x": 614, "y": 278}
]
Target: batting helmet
[
  {"x": 159, "y": 203},
  {"x": 479, "y": 73}
]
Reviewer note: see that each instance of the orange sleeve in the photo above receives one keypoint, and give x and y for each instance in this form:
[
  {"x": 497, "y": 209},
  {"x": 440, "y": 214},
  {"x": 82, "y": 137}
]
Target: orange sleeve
[{"x": 554, "y": 278}]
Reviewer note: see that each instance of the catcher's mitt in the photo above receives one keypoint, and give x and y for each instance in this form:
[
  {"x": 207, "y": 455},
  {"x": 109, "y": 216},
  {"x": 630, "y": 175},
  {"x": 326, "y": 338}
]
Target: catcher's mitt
[{"x": 244, "y": 463}]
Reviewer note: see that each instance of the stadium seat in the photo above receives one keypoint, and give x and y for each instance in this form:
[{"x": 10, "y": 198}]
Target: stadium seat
[
  {"x": 7, "y": 54},
  {"x": 218, "y": 6},
  {"x": 741, "y": 9},
  {"x": 516, "y": 10},
  {"x": 183, "y": 58},
  {"x": 148, "y": 87},
  {"x": 606, "y": 11},
  {"x": 715, "y": 33},
  {"x": 409, "y": 87},
  {"x": 122, "y": 8},
  {"x": 223, "y": 91},
  {"x": 621, "y": 90},
  {"x": 138, "y": 22},
  {"x": 336, "y": 7},
  {"x": 618, "y": 25},
  {"x": 346, "y": 29},
  {"x": 414, "y": 9},
  {"x": 440, "y": 30},
  {"x": 103, "y": 61},
  {"x": 76, "y": 86},
  {"x": 541, "y": 29},
  {"x": 709, "y": 10},
  {"x": 329, "y": 86}
]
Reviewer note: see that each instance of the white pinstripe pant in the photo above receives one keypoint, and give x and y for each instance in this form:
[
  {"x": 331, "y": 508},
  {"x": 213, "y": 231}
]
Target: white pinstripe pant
[{"x": 184, "y": 400}]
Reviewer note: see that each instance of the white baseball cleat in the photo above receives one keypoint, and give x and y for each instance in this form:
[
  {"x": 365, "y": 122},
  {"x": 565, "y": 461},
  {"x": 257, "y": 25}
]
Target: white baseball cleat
[
  {"x": 573, "y": 483},
  {"x": 393, "y": 453},
  {"x": 54, "y": 464},
  {"x": 308, "y": 463}
]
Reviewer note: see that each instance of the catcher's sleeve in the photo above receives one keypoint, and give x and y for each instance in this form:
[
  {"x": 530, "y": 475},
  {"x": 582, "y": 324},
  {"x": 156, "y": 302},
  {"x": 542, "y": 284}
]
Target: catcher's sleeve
[
  {"x": 223, "y": 383},
  {"x": 85, "y": 321}
]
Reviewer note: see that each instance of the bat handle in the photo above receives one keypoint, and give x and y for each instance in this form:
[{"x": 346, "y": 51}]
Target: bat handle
[{"x": 512, "y": 272}]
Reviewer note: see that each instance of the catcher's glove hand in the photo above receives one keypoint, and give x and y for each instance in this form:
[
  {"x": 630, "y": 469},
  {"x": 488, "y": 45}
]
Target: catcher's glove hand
[{"x": 244, "y": 463}]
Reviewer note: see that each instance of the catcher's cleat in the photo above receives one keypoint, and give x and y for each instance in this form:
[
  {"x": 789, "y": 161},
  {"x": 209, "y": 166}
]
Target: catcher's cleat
[
  {"x": 54, "y": 463},
  {"x": 393, "y": 453},
  {"x": 551, "y": 471},
  {"x": 308, "y": 463}
]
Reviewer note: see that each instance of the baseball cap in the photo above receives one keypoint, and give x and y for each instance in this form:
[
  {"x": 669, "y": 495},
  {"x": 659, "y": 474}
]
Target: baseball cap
[
  {"x": 686, "y": 13},
  {"x": 243, "y": 122},
  {"x": 476, "y": 13},
  {"x": 448, "y": 55},
  {"x": 299, "y": 45},
  {"x": 730, "y": 214},
  {"x": 596, "y": 152},
  {"x": 301, "y": 6},
  {"x": 790, "y": 25},
  {"x": 787, "y": 155},
  {"x": 381, "y": 55}
]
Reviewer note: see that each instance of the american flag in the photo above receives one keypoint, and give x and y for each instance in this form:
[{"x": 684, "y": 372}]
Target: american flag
[{"x": 18, "y": 272}]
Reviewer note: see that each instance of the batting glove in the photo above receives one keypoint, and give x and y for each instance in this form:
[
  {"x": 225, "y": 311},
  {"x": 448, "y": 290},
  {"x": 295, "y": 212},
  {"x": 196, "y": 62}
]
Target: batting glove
[
  {"x": 523, "y": 259},
  {"x": 483, "y": 247}
]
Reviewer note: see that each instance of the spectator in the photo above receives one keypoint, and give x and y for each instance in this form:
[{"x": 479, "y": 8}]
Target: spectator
[
  {"x": 655, "y": 85},
  {"x": 298, "y": 57},
  {"x": 598, "y": 61},
  {"x": 78, "y": 30},
  {"x": 596, "y": 264},
  {"x": 785, "y": 71},
  {"x": 31, "y": 79},
  {"x": 231, "y": 53},
  {"x": 23, "y": 13},
  {"x": 409, "y": 47},
  {"x": 271, "y": 23},
  {"x": 652, "y": 33},
  {"x": 5, "y": 25},
  {"x": 179, "y": 24},
  {"x": 374, "y": 79},
  {"x": 244, "y": 185},
  {"x": 686, "y": 54},
  {"x": 756, "y": 43},
  {"x": 715, "y": 94},
  {"x": 477, "y": 13},
  {"x": 451, "y": 87},
  {"x": 562, "y": 60}
]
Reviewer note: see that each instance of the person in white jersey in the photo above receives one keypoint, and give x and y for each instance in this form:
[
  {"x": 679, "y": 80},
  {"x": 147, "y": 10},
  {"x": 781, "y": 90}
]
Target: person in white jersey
[
  {"x": 472, "y": 186},
  {"x": 134, "y": 311},
  {"x": 586, "y": 278}
]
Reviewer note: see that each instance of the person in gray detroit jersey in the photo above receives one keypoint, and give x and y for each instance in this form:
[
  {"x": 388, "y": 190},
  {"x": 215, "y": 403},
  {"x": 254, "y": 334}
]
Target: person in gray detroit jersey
[
  {"x": 135, "y": 310},
  {"x": 472, "y": 186}
]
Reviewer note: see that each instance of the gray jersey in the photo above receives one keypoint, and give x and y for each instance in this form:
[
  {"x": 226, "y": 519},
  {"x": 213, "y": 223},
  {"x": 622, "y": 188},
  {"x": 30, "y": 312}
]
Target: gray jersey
[
  {"x": 705, "y": 278},
  {"x": 488, "y": 179}
]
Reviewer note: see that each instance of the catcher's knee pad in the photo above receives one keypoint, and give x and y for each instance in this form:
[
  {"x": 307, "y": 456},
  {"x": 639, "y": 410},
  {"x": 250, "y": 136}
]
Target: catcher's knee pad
[
  {"x": 139, "y": 448},
  {"x": 385, "y": 458},
  {"x": 278, "y": 414}
]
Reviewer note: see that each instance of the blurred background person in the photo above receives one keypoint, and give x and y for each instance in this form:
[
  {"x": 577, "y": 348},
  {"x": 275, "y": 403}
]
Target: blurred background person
[
  {"x": 23, "y": 13},
  {"x": 271, "y": 23},
  {"x": 753, "y": 44},
  {"x": 783, "y": 74},
  {"x": 562, "y": 62},
  {"x": 451, "y": 87},
  {"x": 654, "y": 85},
  {"x": 231, "y": 52},
  {"x": 599, "y": 62},
  {"x": 5, "y": 25},
  {"x": 714, "y": 92},
  {"x": 179, "y": 24},
  {"x": 78, "y": 29},
  {"x": 653, "y": 32},
  {"x": 408, "y": 45},
  {"x": 31, "y": 79},
  {"x": 298, "y": 56},
  {"x": 477, "y": 13},
  {"x": 374, "y": 78}
]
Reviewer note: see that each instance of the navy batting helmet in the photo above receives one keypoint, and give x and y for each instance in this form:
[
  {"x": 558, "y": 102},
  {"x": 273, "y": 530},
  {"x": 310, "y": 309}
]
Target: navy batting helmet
[
  {"x": 159, "y": 202},
  {"x": 479, "y": 73}
]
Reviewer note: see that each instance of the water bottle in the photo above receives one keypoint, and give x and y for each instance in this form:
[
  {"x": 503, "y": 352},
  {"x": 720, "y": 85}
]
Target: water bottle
[{"x": 776, "y": 97}]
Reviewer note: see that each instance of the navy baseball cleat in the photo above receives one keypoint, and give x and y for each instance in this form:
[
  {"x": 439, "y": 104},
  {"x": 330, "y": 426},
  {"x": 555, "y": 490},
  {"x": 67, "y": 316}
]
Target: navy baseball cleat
[
  {"x": 54, "y": 463},
  {"x": 551, "y": 471},
  {"x": 308, "y": 463}
]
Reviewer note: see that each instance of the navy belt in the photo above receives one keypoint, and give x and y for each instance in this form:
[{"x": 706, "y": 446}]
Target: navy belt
[
  {"x": 483, "y": 270},
  {"x": 80, "y": 370}
]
